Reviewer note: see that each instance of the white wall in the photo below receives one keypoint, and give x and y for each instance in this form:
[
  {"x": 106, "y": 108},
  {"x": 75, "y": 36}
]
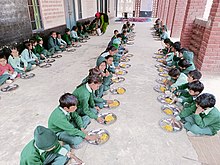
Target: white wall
[
  {"x": 146, "y": 5},
  {"x": 207, "y": 9}
]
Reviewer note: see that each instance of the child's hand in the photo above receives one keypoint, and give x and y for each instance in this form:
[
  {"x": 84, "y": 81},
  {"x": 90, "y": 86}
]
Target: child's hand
[
  {"x": 97, "y": 108},
  {"x": 91, "y": 137},
  {"x": 83, "y": 130},
  {"x": 173, "y": 89},
  {"x": 107, "y": 73},
  {"x": 10, "y": 72},
  {"x": 199, "y": 110},
  {"x": 43, "y": 56},
  {"x": 100, "y": 120},
  {"x": 109, "y": 101},
  {"x": 25, "y": 68}
]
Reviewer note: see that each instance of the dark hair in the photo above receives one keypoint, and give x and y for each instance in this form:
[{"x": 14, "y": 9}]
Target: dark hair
[
  {"x": 74, "y": 28},
  {"x": 58, "y": 33},
  {"x": 206, "y": 100},
  {"x": 167, "y": 40},
  {"x": 67, "y": 30},
  {"x": 196, "y": 86},
  {"x": 2, "y": 55},
  {"x": 52, "y": 32},
  {"x": 94, "y": 79},
  {"x": 183, "y": 50},
  {"x": 109, "y": 56},
  {"x": 124, "y": 26},
  {"x": 183, "y": 63},
  {"x": 177, "y": 46},
  {"x": 94, "y": 71},
  {"x": 27, "y": 44},
  {"x": 195, "y": 74},
  {"x": 124, "y": 31},
  {"x": 119, "y": 35},
  {"x": 68, "y": 100},
  {"x": 112, "y": 48},
  {"x": 174, "y": 72},
  {"x": 115, "y": 31}
]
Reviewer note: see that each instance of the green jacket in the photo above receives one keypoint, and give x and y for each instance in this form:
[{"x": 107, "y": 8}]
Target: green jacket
[
  {"x": 67, "y": 39},
  {"x": 211, "y": 120},
  {"x": 189, "y": 56},
  {"x": 39, "y": 49},
  {"x": 58, "y": 122},
  {"x": 182, "y": 79},
  {"x": 185, "y": 97},
  {"x": 86, "y": 101},
  {"x": 188, "y": 110},
  {"x": 30, "y": 155}
]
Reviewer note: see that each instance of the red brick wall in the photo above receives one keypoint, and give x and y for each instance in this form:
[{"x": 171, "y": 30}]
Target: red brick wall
[
  {"x": 209, "y": 53},
  {"x": 195, "y": 8},
  {"x": 166, "y": 6},
  {"x": 170, "y": 13}
]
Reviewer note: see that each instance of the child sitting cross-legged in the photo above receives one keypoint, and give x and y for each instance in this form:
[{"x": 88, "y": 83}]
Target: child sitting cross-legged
[
  {"x": 67, "y": 124},
  {"x": 39, "y": 48},
  {"x": 206, "y": 119},
  {"x": 45, "y": 149},
  {"x": 67, "y": 38},
  {"x": 7, "y": 73}
]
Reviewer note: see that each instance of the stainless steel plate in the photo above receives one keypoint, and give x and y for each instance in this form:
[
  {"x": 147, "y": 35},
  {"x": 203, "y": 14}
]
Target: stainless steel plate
[
  {"x": 10, "y": 87},
  {"x": 118, "y": 79},
  {"x": 171, "y": 110},
  {"x": 27, "y": 76},
  {"x": 157, "y": 88},
  {"x": 99, "y": 132},
  {"x": 109, "y": 118},
  {"x": 115, "y": 91},
  {"x": 163, "y": 74},
  {"x": 45, "y": 65},
  {"x": 169, "y": 125},
  {"x": 121, "y": 72},
  {"x": 112, "y": 105},
  {"x": 125, "y": 65}
]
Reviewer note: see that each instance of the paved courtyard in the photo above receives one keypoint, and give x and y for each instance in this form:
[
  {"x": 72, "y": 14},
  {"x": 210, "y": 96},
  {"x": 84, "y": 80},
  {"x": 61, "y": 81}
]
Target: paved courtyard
[{"x": 136, "y": 138}]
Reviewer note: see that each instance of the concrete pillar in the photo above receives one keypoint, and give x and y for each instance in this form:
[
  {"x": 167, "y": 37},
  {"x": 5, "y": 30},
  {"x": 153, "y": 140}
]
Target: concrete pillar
[{"x": 194, "y": 8}]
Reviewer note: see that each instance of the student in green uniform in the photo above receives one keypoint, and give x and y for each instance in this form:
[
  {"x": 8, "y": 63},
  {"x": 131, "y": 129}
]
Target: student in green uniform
[
  {"x": 53, "y": 44},
  {"x": 176, "y": 78},
  {"x": 84, "y": 94},
  {"x": 184, "y": 66},
  {"x": 124, "y": 39},
  {"x": 188, "y": 100},
  {"x": 189, "y": 56},
  {"x": 67, "y": 38},
  {"x": 41, "y": 50},
  {"x": 206, "y": 119},
  {"x": 67, "y": 124},
  {"x": 45, "y": 149}
]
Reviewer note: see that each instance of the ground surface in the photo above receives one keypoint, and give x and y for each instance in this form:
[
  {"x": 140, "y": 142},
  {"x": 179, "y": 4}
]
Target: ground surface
[{"x": 136, "y": 137}]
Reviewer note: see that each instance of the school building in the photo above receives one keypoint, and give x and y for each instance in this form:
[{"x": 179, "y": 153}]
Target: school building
[
  {"x": 197, "y": 23},
  {"x": 20, "y": 19}
]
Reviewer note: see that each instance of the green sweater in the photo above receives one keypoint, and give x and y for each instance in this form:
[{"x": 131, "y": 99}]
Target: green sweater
[
  {"x": 39, "y": 49},
  {"x": 67, "y": 39},
  {"x": 188, "y": 110},
  {"x": 30, "y": 155},
  {"x": 86, "y": 101},
  {"x": 59, "y": 122},
  {"x": 211, "y": 120}
]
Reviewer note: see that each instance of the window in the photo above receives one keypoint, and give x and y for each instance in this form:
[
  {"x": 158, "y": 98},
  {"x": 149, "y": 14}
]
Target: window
[{"x": 35, "y": 16}]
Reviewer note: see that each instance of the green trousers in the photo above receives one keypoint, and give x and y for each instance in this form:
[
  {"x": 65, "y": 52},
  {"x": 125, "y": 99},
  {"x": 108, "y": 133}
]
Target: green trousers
[
  {"x": 70, "y": 139},
  {"x": 190, "y": 125},
  {"x": 104, "y": 27}
]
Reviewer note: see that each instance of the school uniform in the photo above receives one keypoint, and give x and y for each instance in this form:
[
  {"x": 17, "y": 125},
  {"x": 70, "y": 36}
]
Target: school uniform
[
  {"x": 28, "y": 58},
  {"x": 189, "y": 56},
  {"x": 61, "y": 42},
  {"x": 164, "y": 36},
  {"x": 86, "y": 105},
  {"x": 188, "y": 109},
  {"x": 15, "y": 62},
  {"x": 205, "y": 123},
  {"x": 53, "y": 45},
  {"x": 67, "y": 126},
  {"x": 34, "y": 153},
  {"x": 182, "y": 79},
  {"x": 41, "y": 50},
  {"x": 74, "y": 35},
  {"x": 67, "y": 39}
]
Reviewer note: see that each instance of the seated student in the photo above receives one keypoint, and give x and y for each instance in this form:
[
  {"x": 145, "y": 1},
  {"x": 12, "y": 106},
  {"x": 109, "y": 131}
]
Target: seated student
[
  {"x": 83, "y": 93},
  {"x": 183, "y": 65},
  {"x": 188, "y": 55},
  {"x": 112, "y": 50},
  {"x": 53, "y": 44},
  {"x": 41, "y": 50},
  {"x": 67, "y": 124},
  {"x": 15, "y": 61},
  {"x": 164, "y": 35},
  {"x": 67, "y": 38},
  {"x": 99, "y": 101},
  {"x": 74, "y": 35},
  {"x": 34, "y": 44},
  {"x": 132, "y": 27},
  {"x": 124, "y": 27},
  {"x": 168, "y": 43},
  {"x": 176, "y": 78},
  {"x": 46, "y": 149},
  {"x": 61, "y": 41},
  {"x": 187, "y": 99},
  {"x": 110, "y": 65},
  {"x": 81, "y": 32},
  {"x": 172, "y": 58},
  {"x": 192, "y": 76},
  {"x": 124, "y": 38},
  {"x": 112, "y": 39},
  {"x": 28, "y": 57},
  {"x": 206, "y": 120},
  {"x": 7, "y": 73}
]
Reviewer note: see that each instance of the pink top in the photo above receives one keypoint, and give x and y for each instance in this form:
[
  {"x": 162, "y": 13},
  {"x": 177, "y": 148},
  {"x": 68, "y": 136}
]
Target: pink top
[{"x": 5, "y": 68}]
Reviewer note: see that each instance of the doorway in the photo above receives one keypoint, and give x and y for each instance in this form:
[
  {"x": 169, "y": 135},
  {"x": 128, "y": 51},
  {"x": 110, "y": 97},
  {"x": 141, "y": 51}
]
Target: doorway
[{"x": 70, "y": 13}]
